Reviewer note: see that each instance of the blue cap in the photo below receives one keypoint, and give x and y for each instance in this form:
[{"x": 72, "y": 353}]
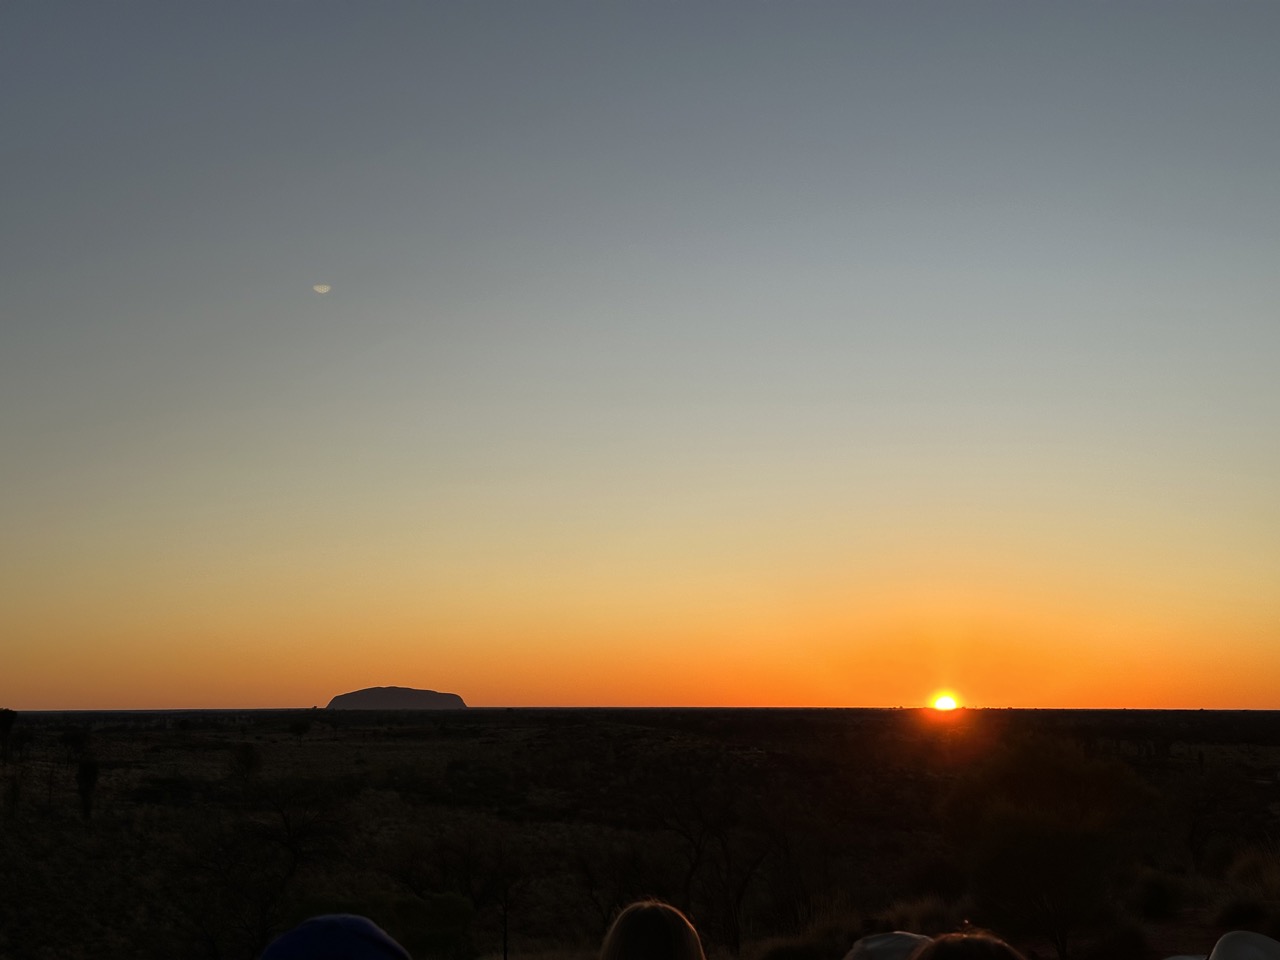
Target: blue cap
[{"x": 336, "y": 936}]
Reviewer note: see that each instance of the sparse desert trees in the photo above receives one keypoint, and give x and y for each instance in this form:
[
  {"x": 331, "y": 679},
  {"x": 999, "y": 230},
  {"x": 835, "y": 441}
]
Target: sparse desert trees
[
  {"x": 1045, "y": 832},
  {"x": 613, "y": 871},
  {"x": 489, "y": 869},
  {"x": 713, "y": 806}
]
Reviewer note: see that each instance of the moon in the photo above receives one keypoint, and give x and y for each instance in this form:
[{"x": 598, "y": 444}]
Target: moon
[{"x": 321, "y": 288}]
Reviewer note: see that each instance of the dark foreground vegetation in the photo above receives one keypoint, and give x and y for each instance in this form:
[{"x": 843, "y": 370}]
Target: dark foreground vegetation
[{"x": 785, "y": 834}]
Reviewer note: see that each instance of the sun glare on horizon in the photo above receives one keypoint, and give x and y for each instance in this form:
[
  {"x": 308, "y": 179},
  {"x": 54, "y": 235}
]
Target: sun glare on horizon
[{"x": 944, "y": 702}]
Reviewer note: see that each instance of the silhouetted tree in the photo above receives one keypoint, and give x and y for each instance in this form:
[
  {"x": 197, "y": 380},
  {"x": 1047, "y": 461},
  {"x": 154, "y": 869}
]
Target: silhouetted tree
[
  {"x": 612, "y": 873},
  {"x": 691, "y": 800},
  {"x": 445, "y": 917},
  {"x": 489, "y": 868},
  {"x": 1045, "y": 832},
  {"x": 738, "y": 852},
  {"x": 507, "y": 876},
  {"x": 234, "y": 884}
]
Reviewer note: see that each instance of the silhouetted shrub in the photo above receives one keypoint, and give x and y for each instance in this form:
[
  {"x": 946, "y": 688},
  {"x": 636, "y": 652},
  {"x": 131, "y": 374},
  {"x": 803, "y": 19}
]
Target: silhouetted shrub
[
  {"x": 939, "y": 874},
  {"x": 1243, "y": 913},
  {"x": 1126, "y": 942},
  {"x": 797, "y": 949},
  {"x": 1256, "y": 870},
  {"x": 1157, "y": 896},
  {"x": 438, "y": 926},
  {"x": 165, "y": 791}
]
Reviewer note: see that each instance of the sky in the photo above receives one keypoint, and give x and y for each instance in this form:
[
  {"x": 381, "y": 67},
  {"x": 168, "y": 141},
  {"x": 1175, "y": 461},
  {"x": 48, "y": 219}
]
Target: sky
[{"x": 675, "y": 353}]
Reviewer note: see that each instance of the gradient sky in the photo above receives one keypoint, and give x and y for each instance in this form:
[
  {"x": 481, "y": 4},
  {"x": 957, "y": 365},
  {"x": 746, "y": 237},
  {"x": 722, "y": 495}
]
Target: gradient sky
[{"x": 751, "y": 353}]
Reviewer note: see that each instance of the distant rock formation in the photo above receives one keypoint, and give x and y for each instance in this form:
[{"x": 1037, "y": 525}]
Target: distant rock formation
[{"x": 396, "y": 698}]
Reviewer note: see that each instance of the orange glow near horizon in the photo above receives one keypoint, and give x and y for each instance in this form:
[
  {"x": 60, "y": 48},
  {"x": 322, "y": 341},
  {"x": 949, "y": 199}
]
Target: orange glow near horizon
[
  {"x": 644, "y": 627},
  {"x": 726, "y": 648}
]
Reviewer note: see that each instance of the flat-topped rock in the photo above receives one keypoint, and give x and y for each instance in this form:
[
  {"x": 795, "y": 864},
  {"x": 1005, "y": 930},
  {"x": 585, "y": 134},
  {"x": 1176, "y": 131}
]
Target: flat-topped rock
[{"x": 396, "y": 698}]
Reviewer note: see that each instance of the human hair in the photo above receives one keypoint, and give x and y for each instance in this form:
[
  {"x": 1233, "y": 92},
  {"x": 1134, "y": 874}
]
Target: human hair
[
  {"x": 651, "y": 930},
  {"x": 976, "y": 945}
]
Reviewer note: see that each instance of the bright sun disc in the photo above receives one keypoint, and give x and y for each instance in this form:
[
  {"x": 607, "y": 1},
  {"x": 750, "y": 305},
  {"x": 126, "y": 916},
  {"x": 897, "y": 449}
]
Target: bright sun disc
[{"x": 944, "y": 703}]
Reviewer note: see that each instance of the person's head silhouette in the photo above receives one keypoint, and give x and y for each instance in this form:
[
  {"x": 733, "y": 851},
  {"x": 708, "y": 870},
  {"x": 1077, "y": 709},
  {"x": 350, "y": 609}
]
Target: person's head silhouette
[
  {"x": 651, "y": 930},
  {"x": 966, "y": 946}
]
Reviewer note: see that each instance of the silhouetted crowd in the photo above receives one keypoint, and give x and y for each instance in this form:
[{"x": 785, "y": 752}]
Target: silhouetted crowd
[{"x": 653, "y": 930}]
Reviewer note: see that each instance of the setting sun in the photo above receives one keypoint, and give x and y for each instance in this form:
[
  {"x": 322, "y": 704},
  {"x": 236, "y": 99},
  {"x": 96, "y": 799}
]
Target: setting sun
[{"x": 944, "y": 702}]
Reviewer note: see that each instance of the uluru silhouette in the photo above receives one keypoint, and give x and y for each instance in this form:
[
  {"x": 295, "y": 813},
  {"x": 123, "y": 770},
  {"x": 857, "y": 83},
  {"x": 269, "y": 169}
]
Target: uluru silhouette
[{"x": 396, "y": 698}]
